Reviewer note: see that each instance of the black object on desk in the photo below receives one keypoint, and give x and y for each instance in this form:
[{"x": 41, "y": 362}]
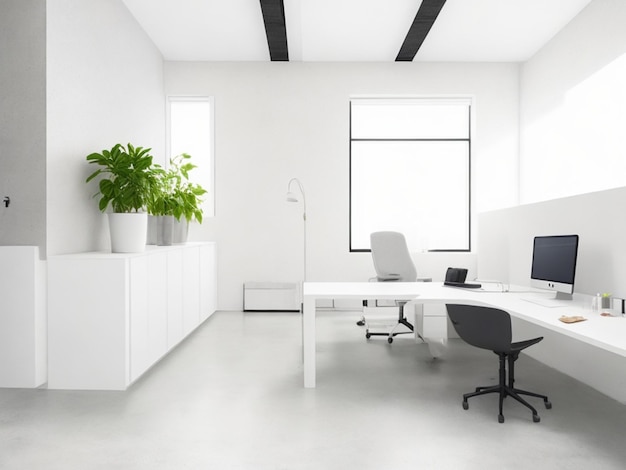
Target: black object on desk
[
  {"x": 455, "y": 277},
  {"x": 466, "y": 285}
]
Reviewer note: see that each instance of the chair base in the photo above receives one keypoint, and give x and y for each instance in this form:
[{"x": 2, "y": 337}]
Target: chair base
[
  {"x": 507, "y": 390},
  {"x": 402, "y": 322},
  {"x": 393, "y": 333}
]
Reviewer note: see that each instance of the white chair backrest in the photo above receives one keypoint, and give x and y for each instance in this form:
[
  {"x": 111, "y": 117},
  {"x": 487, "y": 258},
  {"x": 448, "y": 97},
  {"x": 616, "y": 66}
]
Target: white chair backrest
[{"x": 391, "y": 257}]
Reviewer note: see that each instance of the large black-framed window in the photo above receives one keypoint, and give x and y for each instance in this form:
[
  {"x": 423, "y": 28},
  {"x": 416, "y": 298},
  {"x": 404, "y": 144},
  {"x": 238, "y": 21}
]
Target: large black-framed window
[{"x": 410, "y": 171}]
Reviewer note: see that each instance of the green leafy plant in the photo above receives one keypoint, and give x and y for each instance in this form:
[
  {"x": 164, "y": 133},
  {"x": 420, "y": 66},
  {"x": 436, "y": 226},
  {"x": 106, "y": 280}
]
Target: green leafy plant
[
  {"x": 130, "y": 180},
  {"x": 176, "y": 195}
]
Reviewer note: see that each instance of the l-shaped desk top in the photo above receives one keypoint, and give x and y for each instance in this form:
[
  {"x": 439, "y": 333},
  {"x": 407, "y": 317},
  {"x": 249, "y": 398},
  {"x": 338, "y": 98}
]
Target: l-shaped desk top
[{"x": 608, "y": 333}]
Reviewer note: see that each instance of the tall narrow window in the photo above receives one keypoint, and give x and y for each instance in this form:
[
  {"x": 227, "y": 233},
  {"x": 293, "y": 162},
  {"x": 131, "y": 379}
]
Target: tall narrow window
[
  {"x": 410, "y": 172},
  {"x": 191, "y": 131}
]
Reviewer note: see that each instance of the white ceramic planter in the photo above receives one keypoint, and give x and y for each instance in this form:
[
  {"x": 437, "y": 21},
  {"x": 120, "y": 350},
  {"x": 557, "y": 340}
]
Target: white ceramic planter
[{"x": 128, "y": 232}]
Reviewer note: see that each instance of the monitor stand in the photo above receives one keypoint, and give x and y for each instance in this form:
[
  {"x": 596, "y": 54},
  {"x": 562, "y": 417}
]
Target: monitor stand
[
  {"x": 563, "y": 296},
  {"x": 559, "y": 300}
]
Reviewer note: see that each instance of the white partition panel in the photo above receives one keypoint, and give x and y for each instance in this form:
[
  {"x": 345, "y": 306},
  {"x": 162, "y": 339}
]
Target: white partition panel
[
  {"x": 505, "y": 252},
  {"x": 505, "y": 239}
]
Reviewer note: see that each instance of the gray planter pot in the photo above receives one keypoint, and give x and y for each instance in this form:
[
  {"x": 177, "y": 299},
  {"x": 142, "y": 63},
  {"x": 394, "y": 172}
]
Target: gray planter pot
[
  {"x": 165, "y": 230},
  {"x": 181, "y": 230}
]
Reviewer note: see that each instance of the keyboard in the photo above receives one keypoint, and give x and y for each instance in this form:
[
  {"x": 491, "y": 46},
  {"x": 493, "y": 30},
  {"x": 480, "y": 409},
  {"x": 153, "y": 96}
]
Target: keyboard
[
  {"x": 465, "y": 285},
  {"x": 550, "y": 303}
]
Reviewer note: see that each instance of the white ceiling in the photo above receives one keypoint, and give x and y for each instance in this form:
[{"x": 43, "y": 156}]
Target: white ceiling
[{"x": 353, "y": 30}]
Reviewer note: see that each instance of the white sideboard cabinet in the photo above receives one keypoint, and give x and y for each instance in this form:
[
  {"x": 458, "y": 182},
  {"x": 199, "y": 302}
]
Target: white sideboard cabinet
[
  {"x": 22, "y": 317},
  {"x": 112, "y": 316}
]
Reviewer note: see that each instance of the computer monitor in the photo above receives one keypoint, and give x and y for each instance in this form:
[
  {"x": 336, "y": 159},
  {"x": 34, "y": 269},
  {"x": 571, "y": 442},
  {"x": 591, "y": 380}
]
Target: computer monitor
[{"x": 554, "y": 264}]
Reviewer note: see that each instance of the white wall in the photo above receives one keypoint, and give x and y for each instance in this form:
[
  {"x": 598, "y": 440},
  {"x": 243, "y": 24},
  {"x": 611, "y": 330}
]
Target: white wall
[
  {"x": 104, "y": 86},
  {"x": 572, "y": 121},
  {"x": 274, "y": 121},
  {"x": 23, "y": 122},
  {"x": 573, "y": 108}
]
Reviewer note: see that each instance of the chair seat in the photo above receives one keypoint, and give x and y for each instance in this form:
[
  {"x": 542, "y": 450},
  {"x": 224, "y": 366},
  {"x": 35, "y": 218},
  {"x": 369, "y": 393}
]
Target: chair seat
[{"x": 521, "y": 345}]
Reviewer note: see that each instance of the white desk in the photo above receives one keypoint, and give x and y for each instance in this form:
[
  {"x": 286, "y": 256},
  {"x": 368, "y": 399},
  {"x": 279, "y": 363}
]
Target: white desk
[{"x": 608, "y": 333}]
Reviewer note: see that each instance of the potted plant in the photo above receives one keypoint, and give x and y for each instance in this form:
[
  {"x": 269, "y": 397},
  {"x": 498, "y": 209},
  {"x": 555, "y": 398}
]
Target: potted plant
[
  {"x": 176, "y": 198},
  {"x": 128, "y": 183},
  {"x": 162, "y": 208}
]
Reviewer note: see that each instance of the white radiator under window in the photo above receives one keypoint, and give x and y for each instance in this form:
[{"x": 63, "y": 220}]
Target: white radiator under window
[{"x": 270, "y": 296}]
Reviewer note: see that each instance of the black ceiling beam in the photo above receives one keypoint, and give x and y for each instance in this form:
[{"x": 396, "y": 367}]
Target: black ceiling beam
[
  {"x": 424, "y": 19},
  {"x": 275, "y": 29}
]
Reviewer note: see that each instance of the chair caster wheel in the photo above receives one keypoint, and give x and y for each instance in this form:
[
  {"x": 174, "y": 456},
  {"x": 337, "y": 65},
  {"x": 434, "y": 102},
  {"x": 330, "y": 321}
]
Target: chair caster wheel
[
  {"x": 500, "y": 418},
  {"x": 390, "y": 340},
  {"x": 536, "y": 418},
  {"x": 361, "y": 323},
  {"x": 548, "y": 405},
  {"x": 368, "y": 336},
  {"x": 465, "y": 405}
]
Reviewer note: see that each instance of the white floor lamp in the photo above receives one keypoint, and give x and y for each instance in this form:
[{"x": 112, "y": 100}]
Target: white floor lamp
[{"x": 293, "y": 197}]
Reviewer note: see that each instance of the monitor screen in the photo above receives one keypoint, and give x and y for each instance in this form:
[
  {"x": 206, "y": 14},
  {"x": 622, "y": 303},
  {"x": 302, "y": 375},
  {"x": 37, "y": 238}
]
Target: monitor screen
[{"x": 554, "y": 263}]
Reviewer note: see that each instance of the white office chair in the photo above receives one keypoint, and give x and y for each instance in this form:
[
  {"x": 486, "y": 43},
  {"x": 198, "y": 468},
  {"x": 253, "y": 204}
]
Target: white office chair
[{"x": 392, "y": 262}]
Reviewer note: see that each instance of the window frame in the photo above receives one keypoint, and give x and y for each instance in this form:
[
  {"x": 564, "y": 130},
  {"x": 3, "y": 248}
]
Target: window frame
[
  {"x": 209, "y": 206},
  {"x": 468, "y": 100}
]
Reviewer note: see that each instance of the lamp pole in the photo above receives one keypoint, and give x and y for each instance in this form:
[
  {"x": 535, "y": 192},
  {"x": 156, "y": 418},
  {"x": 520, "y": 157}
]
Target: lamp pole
[{"x": 292, "y": 197}]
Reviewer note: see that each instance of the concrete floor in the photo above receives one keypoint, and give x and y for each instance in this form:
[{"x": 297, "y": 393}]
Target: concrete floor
[{"x": 231, "y": 397}]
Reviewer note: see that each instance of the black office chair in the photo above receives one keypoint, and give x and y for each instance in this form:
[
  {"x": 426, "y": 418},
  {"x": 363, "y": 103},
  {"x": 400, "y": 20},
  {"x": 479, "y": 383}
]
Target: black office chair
[{"x": 490, "y": 328}]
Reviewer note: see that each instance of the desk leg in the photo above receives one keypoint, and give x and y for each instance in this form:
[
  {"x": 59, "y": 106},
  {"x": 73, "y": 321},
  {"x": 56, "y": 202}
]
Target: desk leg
[
  {"x": 437, "y": 347},
  {"x": 308, "y": 342},
  {"x": 432, "y": 328}
]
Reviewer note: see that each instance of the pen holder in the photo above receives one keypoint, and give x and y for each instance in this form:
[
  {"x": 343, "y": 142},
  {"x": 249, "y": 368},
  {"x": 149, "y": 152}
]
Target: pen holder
[{"x": 601, "y": 302}]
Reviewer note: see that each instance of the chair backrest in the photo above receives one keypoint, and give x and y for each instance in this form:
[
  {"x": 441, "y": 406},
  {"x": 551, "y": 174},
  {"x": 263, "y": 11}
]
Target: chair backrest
[
  {"x": 391, "y": 257},
  {"x": 456, "y": 274},
  {"x": 483, "y": 327}
]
